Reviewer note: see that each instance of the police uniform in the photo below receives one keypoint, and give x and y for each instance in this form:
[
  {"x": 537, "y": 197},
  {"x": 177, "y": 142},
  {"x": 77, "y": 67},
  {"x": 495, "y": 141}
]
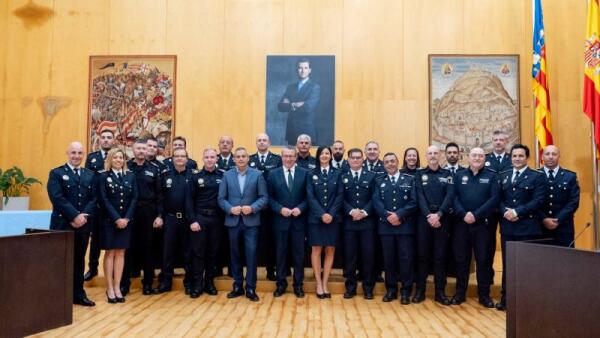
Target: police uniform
[
  {"x": 118, "y": 196},
  {"x": 224, "y": 258},
  {"x": 143, "y": 245},
  {"x": 525, "y": 194},
  {"x": 325, "y": 196},
  {"x": 341, "y": 165},
  {"x": 396, "y": 194},
  {"x": 266, "y": 250},
  {"x": 379, "y": 171},
  {"x": 359, "y": 236},
  {"x": 562, "y": 200},
  {"x": 479, "y": 194},
  {"x": 158, "y": 164},
  {"x": 435, "y": 194},
  {"x": 72, "y": 194},
  {"x": 376, "y": 167},
  {"x": 410, "y": 172},
  {"x": 205, "y": 243},
  {"x": 175, "y": 189},
  {"x": 190, "y": 164},
  {"x": 309, "y": 162},
  {"x": 95, "y": 163},
  {"x": 224, "y": 164}
]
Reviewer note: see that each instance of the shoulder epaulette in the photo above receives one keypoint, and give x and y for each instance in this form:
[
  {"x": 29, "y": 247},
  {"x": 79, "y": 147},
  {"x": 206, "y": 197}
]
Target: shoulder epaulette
[
  {"x": 195, "y": 171},
  {"x": 505, "y": 171}
]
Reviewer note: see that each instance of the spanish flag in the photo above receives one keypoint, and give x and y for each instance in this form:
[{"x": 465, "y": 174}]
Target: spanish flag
[
  {"x": 541, "y": 92},
  {"x": 591, "y": 79}
]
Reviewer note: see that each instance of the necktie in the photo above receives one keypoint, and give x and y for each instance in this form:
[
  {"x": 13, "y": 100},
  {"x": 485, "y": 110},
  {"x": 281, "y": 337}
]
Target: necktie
[
  {"x": 356, "y": 177},
  {"x": 551, "y": 174},
  {"x": 290, "y": 180},
  {"x": 370, "y": 167},
  {"x": 324, "y": 172},
  {"x": 76, "y": 171},
  {"x": 453, "y": 169},
  {"x": 516, "y": 176},
  {"x": 393, "y": 178},
  {"x": 262, "y": 159},
  {"x": 499, "y": 158},
  {"x": 103, "y": 155},
  {"x": 119, "y": 176},
  {"x": 300, "y": 85}
]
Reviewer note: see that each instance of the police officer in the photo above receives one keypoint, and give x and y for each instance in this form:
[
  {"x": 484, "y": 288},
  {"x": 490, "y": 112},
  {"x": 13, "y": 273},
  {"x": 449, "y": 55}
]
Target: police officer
[
  {"x": 141, "y": 253},
  {"x": 72, "y": 192},
  {"x": 175, "y": 188},
  {"x": 435, "y": 193},
  {"x": 411, "y": 161},
  {"x": 338, "y": 161},
  {"x": 521, "y": 203},
  {"x": 152, "y": 151},
  {"x": 265, "y": 161},
  {"x": 206, "y": 240},
  {"x": 562, "y": 199},
  {"x": 477, "y": 193},
  {"x": 305, "y": 159},
  {"x": 372, "y": 163},
  {"x": 452, "y": 153},
  {"x": 395, "y": 202},
  {"x": 225, "y": 160},
  {"x": 359, "y": 225},
  {"x": 95, "y": 163},
  {"x": 179, "y": 142}
]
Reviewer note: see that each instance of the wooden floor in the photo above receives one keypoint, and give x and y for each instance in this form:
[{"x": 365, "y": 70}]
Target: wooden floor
[{"x": 176, "y": 315}]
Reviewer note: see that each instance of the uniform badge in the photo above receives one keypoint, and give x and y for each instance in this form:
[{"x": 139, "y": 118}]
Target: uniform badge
[
  {"x": 312, "y": 166},
  {"x": 201, "y": 181},
  {"x": 382, "y": 185},
  {"x": 66, "y": 177},
  {"x": 149, "y": 173},
  {"x": 218, "y": 180},
  {"x": 345, "y": 180},
  {"x": 315, "y": 177},
  {"x": 484, "y": 180},
  {"x": 449, "y": 180},
  {"x": 487, "y": 163},
  {"x": 169, "y": 181},
  {"x": 424, "y": 178},
  {"x": 109, "y": 180},
  {"x": 465, "y": 179},
  {"x": 505, "y": 180},
  {"x": 405, "y": 197},
  {"x": 93, "y": 160},
  {"x": 252, "y": 164}
]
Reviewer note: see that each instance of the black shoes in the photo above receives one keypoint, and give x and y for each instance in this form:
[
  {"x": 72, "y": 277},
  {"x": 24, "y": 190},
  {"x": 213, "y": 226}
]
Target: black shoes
[
  {"x": 457, "y": 300},
  {"x": 349, "y": 294},
  {"x": 195, "y": 293},
  {"x": 320, "y": 295},
  {"x": 501, "y": 305},
  {"x": 405, "y": 299},
  {"x": 442, "y": 299},
  {"x": 250, "y": 294},
  {"x": 271, "y": 275},
  {"x": 379, "y": 279},
  {"x": 147, "y": 290},
  {"x": 486, "y": 301},
  {"x": 210, "y": 289},
  {"x": 121, "y": 299},
  {"x": 368, "y": 294},
  {"x": 299, "y": 292},
  {"x": 162, "y": 289},
  {"x": 84, "y": 301},
  {"x": 90, "y": 275},
  {"x": 124, "y": 290},
  {"x": 188, "y": 290},
  {"x": 419, "y": 296},
  {"x": 236, "y": 293},
  {"x": 111, "y": 300},
  {"x": 327, "y": 295},
  {"x": 390, "y": 296},
  {"x": 279, "y": 291}
]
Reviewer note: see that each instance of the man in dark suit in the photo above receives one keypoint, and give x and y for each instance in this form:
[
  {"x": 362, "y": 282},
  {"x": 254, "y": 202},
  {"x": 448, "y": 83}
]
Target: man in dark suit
[
  {"x": 395, "y": 202},
  {"x": 225, "y": 160},
  {"x": 521, "y": 203},
  {"x": 300, "y": 101},
  {"x": 242, "y": 195},
  {"x": 287, "y": 201},
  {"x": 359, "y": 225},
  {"x": 338, "y": 162},
  {"x": 72, "y": 192},
  {"x": 373, "y": 163},
  {"x": 95, "y": 163},
  {"x": 562, "y": 199},
  {"x": 265, "y": 161}
]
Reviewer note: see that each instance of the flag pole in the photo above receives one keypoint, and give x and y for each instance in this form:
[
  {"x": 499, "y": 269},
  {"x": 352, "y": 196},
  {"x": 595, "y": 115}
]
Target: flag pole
[{"x": 596, "y": 243}]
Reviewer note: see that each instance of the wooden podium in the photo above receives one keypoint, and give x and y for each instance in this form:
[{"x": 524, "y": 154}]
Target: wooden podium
[
  {"x": 36, "y": 282},
  {"x": 552, "y": 291}
]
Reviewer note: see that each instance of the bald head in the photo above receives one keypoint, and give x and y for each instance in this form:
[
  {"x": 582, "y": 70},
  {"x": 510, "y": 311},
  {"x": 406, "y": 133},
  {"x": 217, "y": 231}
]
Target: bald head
[
  {"x": 75, "y": 153},
  {"x": 262, "y": 142},
  {"x": 551, "y": 156},
  {"x": 433, "y": 157}
]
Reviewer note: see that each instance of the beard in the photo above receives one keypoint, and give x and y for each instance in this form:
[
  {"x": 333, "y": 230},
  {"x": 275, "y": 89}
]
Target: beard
[{"x": 338, "y": 157}]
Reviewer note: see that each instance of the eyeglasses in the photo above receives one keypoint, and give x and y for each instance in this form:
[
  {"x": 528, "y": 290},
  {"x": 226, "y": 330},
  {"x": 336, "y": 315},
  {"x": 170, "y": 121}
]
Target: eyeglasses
[{"x": 355, "y": 158}]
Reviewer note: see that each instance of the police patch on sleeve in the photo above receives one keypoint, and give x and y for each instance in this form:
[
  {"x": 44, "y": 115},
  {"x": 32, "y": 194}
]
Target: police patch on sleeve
[{"x": 487, "y": 163}]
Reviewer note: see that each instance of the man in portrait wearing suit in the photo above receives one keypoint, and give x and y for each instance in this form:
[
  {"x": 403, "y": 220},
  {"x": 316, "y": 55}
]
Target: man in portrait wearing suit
[
  {"x": 300, "y": 101},
  {"x": 242, "y": 195},
  {"x": 287, "y": 201},
  {"x": 72, "y": 192}
]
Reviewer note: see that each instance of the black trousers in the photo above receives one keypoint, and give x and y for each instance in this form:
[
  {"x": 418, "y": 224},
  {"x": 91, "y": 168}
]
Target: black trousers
[
  {"x": 503, "y": 240},
  {"x": 432, "y": 243},
  {"x": 209, "y": 246},
  {"x": 359, "y": 246},
  {"x": 469, "y": 238},
  {"x": 493, "y": 224},
  {"x": 94, "y": 255},
  {"x": 141, "y": 252},
  {"x": 398, "y": 257},
  {"x": 267, "y": 252},
  {"x": 284, "y": 239},
  {"x": 176, "y": 241},
  {"x": 80, "y": 246}
]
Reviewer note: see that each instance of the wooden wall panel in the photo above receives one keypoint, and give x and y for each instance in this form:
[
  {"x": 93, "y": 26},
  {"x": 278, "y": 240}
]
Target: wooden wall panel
[{"x": 381, "y": 52}]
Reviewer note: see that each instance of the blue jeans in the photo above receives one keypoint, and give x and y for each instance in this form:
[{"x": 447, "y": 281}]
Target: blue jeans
[{"x": 250, "y": 238}]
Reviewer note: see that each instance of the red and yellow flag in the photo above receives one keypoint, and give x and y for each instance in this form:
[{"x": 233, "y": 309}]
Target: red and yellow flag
[
  {"x": 591, "y": 79},
  {"x": 541, "y": 92}
]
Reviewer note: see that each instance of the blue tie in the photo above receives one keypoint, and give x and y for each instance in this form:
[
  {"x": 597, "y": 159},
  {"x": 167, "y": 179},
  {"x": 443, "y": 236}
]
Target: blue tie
[{"x": 300, "y": 85}]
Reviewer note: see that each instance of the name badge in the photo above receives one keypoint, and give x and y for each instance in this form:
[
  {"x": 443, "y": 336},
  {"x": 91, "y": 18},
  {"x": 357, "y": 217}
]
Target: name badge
[
  {"x": 484, "y": 180},
  {"x": 149, "y": 173}
]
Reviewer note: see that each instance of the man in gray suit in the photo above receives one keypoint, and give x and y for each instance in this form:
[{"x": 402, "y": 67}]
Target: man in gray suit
[{"x": 242, "y": 195}]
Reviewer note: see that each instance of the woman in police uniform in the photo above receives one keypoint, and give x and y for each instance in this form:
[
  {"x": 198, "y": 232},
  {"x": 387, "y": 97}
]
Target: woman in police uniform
[
  {"x": 325, "y": 198},
  {"x": 411, "y": 161},
  {"x": 118, "y": 196}
]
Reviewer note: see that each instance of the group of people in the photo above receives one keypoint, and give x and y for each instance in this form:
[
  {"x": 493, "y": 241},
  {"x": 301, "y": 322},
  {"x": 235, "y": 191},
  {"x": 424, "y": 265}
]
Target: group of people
[{"x": 387, "y": 217}]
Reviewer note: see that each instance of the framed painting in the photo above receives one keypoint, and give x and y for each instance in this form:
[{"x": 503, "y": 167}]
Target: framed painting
[
  {"x": 470, "y": 97},
  {"x": 134, "y": 96}
]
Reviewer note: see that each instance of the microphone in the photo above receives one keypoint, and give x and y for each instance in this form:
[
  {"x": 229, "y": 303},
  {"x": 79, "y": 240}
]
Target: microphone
[{"x": 580, "y": 233}]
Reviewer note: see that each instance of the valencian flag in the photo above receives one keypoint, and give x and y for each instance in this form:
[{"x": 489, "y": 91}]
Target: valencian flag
[
  {"x": 591, "y": 79},
  {"x": 541, "y": 92}
]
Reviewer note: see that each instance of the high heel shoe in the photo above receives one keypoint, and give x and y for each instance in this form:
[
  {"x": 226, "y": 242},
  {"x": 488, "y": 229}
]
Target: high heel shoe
[
  {"x": 326, "y": 295},
  {"x": 320, "y": 295},
  {"x": 111, "y": 300},
  {"x": 121, "y": 299}
]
